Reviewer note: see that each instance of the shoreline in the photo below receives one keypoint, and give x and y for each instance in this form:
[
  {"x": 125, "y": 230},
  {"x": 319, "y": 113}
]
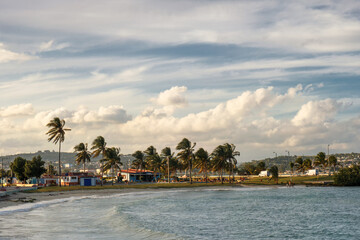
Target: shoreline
[
  {"x": 24, "y": 197},
  {"x": 44, "y": 194}
]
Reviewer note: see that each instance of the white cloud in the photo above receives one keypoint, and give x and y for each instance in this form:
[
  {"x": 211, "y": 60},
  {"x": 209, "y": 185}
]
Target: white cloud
[
  {"x": 7, "y": 55},
  {"x": 248, "y": 121},
  {"x": 52, "y": 45},
  {"x": 172, "y": 97},
  {"x": 316, "y": 112},
  {"x": 17, "y": 110}
]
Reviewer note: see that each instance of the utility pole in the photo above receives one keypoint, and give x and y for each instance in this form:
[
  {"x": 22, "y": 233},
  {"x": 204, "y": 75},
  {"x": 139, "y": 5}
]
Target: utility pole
[
  {"x": 2, "y": 172},
  {"x": 289, "y": 161}
]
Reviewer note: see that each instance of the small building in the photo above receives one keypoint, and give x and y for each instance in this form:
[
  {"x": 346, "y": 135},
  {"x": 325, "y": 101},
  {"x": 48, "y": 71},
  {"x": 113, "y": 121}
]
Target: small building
[
  {"x": 312, "y": 172},
  {"x": 88, "y": 181},
  {"x": 265, "y": 173},
  {"x": 133, "y": 175},
  {"x": 49, "y": 180},
  {"x": 70, "y": 180}
]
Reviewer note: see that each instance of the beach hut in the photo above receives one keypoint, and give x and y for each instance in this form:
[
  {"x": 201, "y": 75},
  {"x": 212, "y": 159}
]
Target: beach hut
[{"x": 88, "y": 181}]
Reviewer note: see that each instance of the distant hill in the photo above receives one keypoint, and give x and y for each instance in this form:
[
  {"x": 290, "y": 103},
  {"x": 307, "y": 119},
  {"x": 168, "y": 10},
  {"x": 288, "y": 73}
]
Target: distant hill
[
  {"x": 283, "y": 162},
  {"x": 53, "y": 157}
]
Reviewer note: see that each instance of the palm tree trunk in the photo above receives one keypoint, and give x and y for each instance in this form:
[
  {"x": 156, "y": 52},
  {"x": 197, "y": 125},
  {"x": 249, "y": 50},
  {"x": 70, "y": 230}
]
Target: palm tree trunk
[
  {"x": 230, "y": 173},
  {"x": 206, "y": 173},
  {"x": 221, "y": 174},
  {"x": 59, "y": 164},
  {"x": 112, "y": 180},
  {"x": 141, "y": 163},
  {"x": 190, "y": 168},
  {"x": 84, "y": 166}
]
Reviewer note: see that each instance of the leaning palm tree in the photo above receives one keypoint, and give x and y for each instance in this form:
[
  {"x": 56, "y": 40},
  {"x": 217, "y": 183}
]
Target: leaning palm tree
[
  {"x": 202, "y": 162},
  {"x": 186, "y": 155},
  {"x": 139, "y": 162},
  {"x": 99, "y": 147},
  {"x": 219, "y": 162},
  {"x": 82, "y": 153},
  {"x": 112, "y": 160},
  {"x": 230, "y": 157},
  {"x": 300, "y": 166},
  {"x": 57, "y": 135}
]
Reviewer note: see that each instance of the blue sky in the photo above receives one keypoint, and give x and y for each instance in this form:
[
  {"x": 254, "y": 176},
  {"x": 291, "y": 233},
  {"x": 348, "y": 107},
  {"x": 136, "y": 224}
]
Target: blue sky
[{"x": 265, "y": 75}]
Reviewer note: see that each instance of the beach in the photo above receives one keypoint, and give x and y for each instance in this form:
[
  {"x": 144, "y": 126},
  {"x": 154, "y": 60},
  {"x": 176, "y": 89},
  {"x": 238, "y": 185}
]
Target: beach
[{"x": 24, "y": 197}]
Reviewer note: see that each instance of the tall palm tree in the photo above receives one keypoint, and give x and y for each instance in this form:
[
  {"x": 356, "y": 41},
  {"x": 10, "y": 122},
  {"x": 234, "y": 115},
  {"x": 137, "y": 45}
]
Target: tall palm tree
[
  {"x": 169, "y": 160},
  {"x": 202, "y": 162},
  {"x": 57, "y": 135},
  {"x": 219, "y": 163},
  {"x": 150, "y": 155},
  {"x": 292, "y": 170},
  {"x": 320, "y": 160},
  {"x": 230, "y": 157},
  {"x": 99, "y": 147},
  {"x": 156, "y": 164},
  {"x": 186, "y": 153},
  {"x": 82, "y": 154},
  {"x": 112, "y": 160},
  {"x": 139, "y": 162}
]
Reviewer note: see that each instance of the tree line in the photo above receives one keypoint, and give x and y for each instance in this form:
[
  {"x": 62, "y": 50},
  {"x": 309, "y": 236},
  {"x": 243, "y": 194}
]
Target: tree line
[{"x": 221, "y": 160}]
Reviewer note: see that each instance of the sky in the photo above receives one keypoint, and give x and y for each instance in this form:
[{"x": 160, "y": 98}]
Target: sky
[{"x": 267, "y": 76}]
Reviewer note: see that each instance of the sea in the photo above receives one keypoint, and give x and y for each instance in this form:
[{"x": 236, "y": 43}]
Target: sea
[{"x": 192, "y": 213}]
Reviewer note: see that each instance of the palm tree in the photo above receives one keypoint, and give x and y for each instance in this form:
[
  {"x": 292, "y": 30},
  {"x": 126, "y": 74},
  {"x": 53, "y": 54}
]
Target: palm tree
[
  {"x": 292, "y": 170},
  {"x": 151, "y": 158},
  {"x": 219, "y": 157},
  {"x": 186, "y": 154},
  {"x": 112, "y": 160},
  {"x": 168, "y": 156},
  {"x": 139, "y": 161},
  {"x": 320, "y": 160},
  {"x": 82, "y": 154},
  {"x": 57, "y": 135},
  {"x": 156, "y": 164},
  {"x": 307, "y": 164},
  {"x": 99, "y": 147},
  {"x": 230, "y": 157},
  {"x": 300, "y": 166},
  {"x": 332, "y": 162},
  {"x": 202, "y": 162}
]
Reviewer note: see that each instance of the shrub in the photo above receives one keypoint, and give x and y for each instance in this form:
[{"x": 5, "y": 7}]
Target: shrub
[{"x": 349, "y": 176}]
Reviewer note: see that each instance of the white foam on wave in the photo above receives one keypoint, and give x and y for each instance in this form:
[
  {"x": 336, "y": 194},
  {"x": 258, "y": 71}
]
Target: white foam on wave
[{"x": 29, "y": 206}]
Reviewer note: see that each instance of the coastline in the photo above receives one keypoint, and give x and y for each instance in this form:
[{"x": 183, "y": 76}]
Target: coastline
[{"x": 23, "y": 197}]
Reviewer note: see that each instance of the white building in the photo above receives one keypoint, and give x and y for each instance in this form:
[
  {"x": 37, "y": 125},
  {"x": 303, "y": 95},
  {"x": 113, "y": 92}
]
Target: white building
[
  {"x": 312, "y": 172},
  {"x": 265, "y": 173}
]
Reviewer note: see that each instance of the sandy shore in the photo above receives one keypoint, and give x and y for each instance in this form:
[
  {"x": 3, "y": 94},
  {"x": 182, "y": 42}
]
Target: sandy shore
[{"x": 29, "y": 197}]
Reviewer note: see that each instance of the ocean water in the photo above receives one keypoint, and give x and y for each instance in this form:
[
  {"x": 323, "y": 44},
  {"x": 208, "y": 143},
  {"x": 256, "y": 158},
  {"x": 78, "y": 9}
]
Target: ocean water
[{"x": 222, "y": 213}]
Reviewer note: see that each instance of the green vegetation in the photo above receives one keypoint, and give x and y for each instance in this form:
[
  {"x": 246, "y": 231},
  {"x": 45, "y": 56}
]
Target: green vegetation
[
  {"x": 300, "y": 180},
  {"x": 24, "y": 169},
  {"x": 349, "y": 176}
]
